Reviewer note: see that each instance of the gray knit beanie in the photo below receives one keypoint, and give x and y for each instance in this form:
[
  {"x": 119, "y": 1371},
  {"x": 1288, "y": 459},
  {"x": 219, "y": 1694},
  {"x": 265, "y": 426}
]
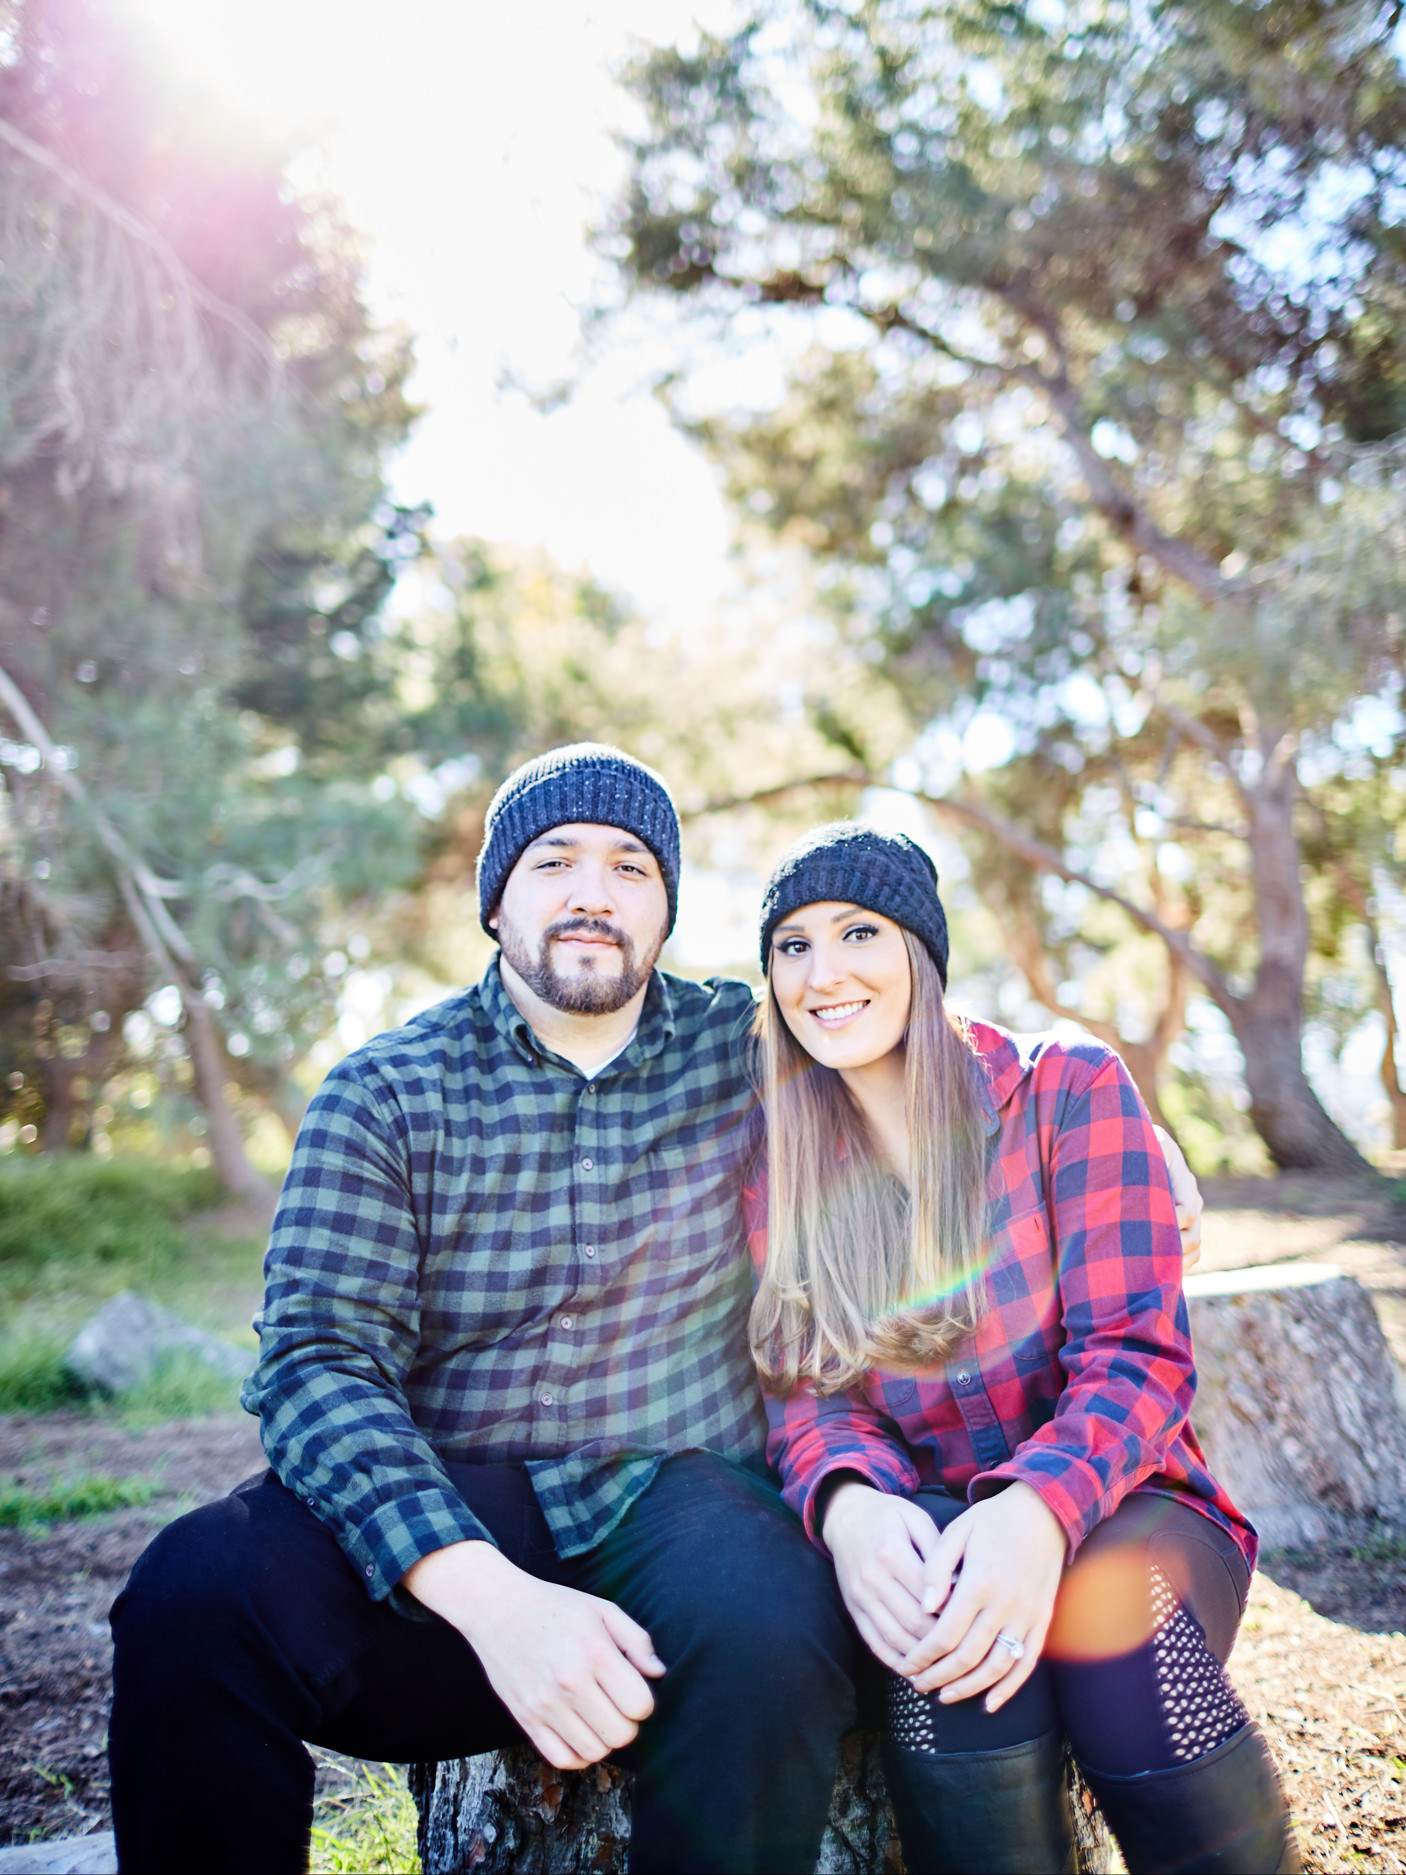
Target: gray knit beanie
[
  {"x": 584, "y": 782},
  {"x": 850, "y": 865}
]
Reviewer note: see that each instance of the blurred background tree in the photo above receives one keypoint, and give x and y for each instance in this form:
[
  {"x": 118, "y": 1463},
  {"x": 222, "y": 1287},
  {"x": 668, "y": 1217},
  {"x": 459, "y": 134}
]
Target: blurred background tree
[
  {"x": 1091, "y": 320},
  {"x": 196, "y": 542}
]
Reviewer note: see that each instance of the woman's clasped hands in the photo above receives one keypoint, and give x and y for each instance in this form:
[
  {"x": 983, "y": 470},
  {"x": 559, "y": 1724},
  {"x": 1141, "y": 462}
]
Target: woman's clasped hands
[{"x": 958, "y": 1612}]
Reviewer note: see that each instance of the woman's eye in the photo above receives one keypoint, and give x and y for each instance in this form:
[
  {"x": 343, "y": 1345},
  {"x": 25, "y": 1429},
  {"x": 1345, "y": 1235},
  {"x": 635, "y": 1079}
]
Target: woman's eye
[
  {"x": 792, "y": 947},
  {"x": 862, "y": 931}
]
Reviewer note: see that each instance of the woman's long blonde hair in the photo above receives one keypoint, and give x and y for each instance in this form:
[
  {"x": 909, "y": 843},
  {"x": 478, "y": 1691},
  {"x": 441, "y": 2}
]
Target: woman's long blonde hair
[{"x": 860, "y": 1274}]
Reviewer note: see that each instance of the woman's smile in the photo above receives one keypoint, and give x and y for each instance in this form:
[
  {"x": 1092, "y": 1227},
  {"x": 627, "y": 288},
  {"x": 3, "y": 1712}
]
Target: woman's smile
[{"x": 832, "y": 1015}]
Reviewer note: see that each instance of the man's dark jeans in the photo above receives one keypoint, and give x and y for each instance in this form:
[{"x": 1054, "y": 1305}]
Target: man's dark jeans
[{"x": 244, "y": 1631}]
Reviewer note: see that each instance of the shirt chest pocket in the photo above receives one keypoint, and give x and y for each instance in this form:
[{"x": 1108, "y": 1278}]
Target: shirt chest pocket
[{"x": 1024, "y": 1325}]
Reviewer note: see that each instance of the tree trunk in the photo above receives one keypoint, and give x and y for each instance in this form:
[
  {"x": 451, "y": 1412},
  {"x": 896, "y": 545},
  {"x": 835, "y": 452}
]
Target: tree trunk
[
  {"x": 508, "y": 1813},
  {"x": 1285, "y": 1111},
  {"x": 1300, "y": 1403},
  {"x": 1391, "y": 1077},
  {"x": 1268, "y": 1023},
  {"x": 208, "y": 1061}
]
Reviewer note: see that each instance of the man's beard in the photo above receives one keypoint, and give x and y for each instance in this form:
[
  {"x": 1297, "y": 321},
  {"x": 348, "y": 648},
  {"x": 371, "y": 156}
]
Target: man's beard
[{"x": 586, "y": 993}]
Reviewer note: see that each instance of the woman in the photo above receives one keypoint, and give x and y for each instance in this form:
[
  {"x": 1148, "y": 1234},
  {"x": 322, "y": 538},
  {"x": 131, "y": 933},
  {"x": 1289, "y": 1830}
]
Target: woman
[{"x": 970, "y": 1323}]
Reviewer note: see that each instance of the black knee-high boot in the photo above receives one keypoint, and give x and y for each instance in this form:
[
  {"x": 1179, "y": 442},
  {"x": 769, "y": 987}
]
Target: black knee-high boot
[
  {"x": 982, "y": 1812},
  {"x": 1223, "y": 1814}
]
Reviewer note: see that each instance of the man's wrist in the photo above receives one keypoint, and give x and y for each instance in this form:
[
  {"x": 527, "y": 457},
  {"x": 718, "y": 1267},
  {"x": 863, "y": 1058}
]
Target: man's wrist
[{"x": 463, "y": 1582}]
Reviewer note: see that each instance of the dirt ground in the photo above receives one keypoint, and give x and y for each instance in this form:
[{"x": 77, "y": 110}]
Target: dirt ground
[{"x": 1321, "y": 1659}]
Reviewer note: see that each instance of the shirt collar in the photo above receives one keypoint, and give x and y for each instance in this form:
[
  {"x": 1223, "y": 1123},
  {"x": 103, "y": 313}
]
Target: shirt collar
[
  {"x": 1004, "y": 1060},
  {"x": 657, "y": 1022}
]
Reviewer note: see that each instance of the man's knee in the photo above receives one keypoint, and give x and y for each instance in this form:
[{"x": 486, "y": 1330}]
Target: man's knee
[
  {"x": 252, "y": 1572},
  {"x": 191, "y": 1574},
  {"x": 738, "y": 1590}
]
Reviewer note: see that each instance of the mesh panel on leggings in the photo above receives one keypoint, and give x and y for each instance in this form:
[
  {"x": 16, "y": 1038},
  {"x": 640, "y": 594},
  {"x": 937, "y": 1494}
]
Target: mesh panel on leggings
[
  {"x": 1200, "y": 1706},
  {"x": 909, "y": 1718}
]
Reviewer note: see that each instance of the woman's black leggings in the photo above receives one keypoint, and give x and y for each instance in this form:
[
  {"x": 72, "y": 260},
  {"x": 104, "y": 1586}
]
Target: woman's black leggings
[{"x": 1133, "y": 1671}]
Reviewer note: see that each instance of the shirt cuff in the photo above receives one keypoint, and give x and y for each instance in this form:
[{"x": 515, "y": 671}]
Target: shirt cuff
[
  {"x": 387, "y": 1541},
  {"x": 1075, "y": 1520},
  {"x": 890, "y": 1473}
]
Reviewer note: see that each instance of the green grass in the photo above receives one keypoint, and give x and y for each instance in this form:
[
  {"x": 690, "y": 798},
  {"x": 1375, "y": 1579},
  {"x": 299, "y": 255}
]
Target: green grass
[
  {"x": 24, "y": 1509},
  {"x": 32, "y": 1374},
  {"x": 369, "y": 1830},
  {"x": 182, "y": 1387},
  {"x": 76, "y": 1210},
  {"x": 33, "y": 1379},
  {"x": 74, "y": 1230}
]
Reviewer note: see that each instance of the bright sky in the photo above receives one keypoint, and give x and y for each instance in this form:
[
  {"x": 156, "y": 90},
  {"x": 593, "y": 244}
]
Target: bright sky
[{"x": 471, "y": 140}]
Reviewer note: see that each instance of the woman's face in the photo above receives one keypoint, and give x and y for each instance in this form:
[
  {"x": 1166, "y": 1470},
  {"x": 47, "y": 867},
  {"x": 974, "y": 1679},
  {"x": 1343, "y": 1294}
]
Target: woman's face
[{"x": 842, "y": 982}]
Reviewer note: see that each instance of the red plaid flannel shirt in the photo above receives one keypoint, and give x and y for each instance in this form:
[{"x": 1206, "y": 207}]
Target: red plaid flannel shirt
[{"x": 1080, "y": 1376}]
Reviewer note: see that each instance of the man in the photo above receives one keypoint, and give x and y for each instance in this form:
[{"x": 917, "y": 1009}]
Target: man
[{"x": 514, "y": 1431}]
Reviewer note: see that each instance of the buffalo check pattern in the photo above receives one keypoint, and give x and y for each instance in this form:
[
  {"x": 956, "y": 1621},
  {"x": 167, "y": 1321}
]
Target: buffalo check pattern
[
  {"x": 482, "y": 1255},
  {"x": 1080, "y": 1376}
]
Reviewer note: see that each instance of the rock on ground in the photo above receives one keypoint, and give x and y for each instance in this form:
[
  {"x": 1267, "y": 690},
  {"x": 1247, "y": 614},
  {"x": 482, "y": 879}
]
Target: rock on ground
[{"x": 122, "y": 1345}]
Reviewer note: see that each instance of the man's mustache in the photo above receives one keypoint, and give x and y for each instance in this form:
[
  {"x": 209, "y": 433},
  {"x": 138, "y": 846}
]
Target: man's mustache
[{"x": 587, "y": 927}]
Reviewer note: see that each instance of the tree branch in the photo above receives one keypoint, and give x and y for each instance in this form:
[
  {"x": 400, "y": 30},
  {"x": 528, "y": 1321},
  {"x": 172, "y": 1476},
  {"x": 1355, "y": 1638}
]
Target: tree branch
[
  {"x": 1034, "y": 852},
  {"x": 168, "y": 947},
  {"x": 182, "y": 278}
]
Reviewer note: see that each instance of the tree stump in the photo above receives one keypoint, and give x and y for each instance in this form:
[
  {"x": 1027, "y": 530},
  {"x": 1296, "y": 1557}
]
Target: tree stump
[
  {"x": 1300, "y": 1403},
  {"x": 508, "y": 1813}
]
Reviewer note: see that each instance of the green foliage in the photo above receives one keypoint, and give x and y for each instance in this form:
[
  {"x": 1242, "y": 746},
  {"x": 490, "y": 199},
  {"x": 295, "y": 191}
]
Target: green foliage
[
  {"x": 197, "y": 546},
  {"x": 77, "y": 1211},
  {"x": 1094, "y": 369},
  {"x": 370, "y": 1830},
  {"x": 24, "y": 1509}
]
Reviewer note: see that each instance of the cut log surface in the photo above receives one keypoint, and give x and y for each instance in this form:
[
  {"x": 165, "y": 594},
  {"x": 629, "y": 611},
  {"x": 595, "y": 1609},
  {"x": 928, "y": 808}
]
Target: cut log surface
[
  {"x": 1300, "y": 1404},
  {"x": 508, "y": 1813}
]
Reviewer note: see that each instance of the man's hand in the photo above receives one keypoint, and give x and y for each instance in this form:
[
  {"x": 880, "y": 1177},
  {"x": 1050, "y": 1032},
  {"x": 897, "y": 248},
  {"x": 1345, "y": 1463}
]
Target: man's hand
[
  {"x": 1010, "y": 1553},
  {"x": 1186, "y": 1196},
  {"x": 569, "y": 1667},
  {"x": 879, "y": 1543}
]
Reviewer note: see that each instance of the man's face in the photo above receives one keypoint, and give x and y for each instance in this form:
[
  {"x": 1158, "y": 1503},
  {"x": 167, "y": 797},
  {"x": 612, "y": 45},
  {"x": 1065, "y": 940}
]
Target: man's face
[{"x": 582, "y": 917}]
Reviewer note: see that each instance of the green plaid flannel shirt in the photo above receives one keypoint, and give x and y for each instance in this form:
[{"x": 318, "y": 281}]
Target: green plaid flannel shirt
[{"x": 481, "y": 1255}]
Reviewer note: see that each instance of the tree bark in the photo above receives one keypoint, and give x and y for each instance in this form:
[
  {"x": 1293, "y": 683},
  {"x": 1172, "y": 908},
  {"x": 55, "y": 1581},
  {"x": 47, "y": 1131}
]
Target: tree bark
[
  {"x": 1300, "y": 1403},
  {"x": 508, "y": 1813}
]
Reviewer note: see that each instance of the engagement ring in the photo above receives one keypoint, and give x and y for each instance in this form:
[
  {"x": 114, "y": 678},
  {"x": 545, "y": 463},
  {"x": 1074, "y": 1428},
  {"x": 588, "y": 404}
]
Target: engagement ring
[{"x": 1017, "y": 1647}]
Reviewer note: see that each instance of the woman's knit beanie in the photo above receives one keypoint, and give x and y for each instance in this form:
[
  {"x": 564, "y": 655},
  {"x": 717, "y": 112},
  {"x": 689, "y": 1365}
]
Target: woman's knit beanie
[
  {"x": 883, "y": 872},
  {"x": 584, "y": 782}
]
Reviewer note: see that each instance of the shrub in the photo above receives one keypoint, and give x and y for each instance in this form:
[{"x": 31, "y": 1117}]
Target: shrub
[{"x": 75, "y": 1209}]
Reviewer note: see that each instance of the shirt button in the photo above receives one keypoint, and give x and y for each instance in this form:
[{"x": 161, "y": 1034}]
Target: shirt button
[
  {"x": 964, "y": 1379},
  {"x": 567, "y": 1321},
  {"x": 590, "y": 1087},
  {"x": 548, "y": 1399},
  {"x": 369, "y": 1570},
  {"x": 590, "y": 1249},
  {"x": 586, "y": 1164}
]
